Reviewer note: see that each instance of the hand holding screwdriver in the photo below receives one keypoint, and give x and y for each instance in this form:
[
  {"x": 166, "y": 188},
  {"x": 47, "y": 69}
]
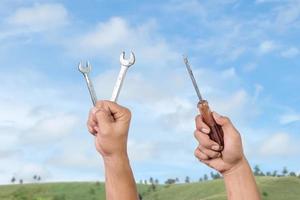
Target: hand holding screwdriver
[{"x": 216, "y": 132}]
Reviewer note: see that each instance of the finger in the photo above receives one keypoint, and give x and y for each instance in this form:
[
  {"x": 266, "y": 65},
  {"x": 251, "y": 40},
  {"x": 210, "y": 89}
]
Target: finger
[
  {"x": 213, "y": 163},
  {"x": 210, "y": 153},
  {"x": 92, "y": 121},
  {"x": 92, "y": 130},
  {"x": 201, "y": 156},
  {"x": 118, "y": 112},
  {"x": 205, "y": 141},
  {"x": 200, "y": 125},
  {"x": 104, "y": 118}
]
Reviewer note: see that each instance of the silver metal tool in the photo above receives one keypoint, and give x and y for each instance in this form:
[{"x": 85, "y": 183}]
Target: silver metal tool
[
  {"x": 188, "y": 67},
  {"x": 85, "y": 71},
  {"x": 216, "y": 132},
  {"x": 125, "y": 64}
]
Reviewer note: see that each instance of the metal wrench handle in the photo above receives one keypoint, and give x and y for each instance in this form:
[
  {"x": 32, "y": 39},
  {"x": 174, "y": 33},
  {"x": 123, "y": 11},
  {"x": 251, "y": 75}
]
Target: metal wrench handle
[
  {"x": 85, "y": 70},
  {"x": 125, "y": 64},
  {"x": 119, "y": 83},
  {"x": 91, "y": 88}
]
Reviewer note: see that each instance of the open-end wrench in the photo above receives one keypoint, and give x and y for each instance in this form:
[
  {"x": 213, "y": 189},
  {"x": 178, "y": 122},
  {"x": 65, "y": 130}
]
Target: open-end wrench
[
  {"x": 125, "y": 64},
  {"x": 85, "y": 71}
]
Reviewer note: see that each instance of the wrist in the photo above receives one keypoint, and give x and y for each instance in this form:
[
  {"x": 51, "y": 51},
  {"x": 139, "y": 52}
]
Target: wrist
[
  {"x": 116, "y": 159},
  {"x": 240, "y": 166}
]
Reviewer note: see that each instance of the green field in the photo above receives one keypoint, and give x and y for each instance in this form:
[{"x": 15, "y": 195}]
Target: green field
[{"x": 273, "y": 188}]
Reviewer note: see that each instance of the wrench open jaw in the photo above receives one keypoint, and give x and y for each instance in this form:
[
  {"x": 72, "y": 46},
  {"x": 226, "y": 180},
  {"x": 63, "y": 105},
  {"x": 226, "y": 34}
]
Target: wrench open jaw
[
  {"x": 86, "y": 69},
  {"x": 129, "y": 62}
]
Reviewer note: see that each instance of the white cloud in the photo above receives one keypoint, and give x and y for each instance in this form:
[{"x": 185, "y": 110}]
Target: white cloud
[
  {"x": 51, "y": 128},
  {"x": 279, "y": 144},
  {"x": 249, "y": 67},
  {"x": 144, "y": 150},
  {"x": 266, "y": 1},
  {"x": 290, "y": 52},
  {"x": 288, "y": 14},
  {"x": 108, "y": 39},
  {"x": 39, "y": 17},
  {"x": 28, "y": 170},
  {"x": 267, "y": 46},
  {"x": 289, "y": 118}
]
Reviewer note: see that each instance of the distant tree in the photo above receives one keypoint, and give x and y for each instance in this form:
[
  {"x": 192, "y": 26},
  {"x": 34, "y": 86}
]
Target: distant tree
[
  {"x": 21, "y": 181},
  {"x": 141, "y": 181},
  {"x": 170, "y": 181},
  {"x": 200, "y": 179},
  {"x": 156, "y": 181},
  {"x": 187, "y": 179},
  {"x": 97, "y": 183},
  {"x": 39, "y": 178},
  {"x": 13, "y": 180},
  {"x": 205, "y": 177},
  {"x": 284, "y": 171},
  {"x": 215, "y": 175},
  {"x": 151, "y": 180},
  {"x": 261, "y": 174},
  {"x": 176, "y": 179},
  {"x": 256, "y": 170},
  {"x": 292, "y": 174},
  {"x": 274, "y": 173},
  {"x": 268, "y": 174},
  {"x": 145, "y": 182},
  {"x": 35, "y": 177},
  {"x": 153, "y": 187}
]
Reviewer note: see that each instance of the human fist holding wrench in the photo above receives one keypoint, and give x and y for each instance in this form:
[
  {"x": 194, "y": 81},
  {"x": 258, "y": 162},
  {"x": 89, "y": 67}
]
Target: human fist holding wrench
[{"x": 109, "y": 123}]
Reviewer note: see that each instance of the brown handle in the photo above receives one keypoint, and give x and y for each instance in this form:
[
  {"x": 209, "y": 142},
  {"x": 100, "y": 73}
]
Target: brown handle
[{"x": 216, "y": 132}]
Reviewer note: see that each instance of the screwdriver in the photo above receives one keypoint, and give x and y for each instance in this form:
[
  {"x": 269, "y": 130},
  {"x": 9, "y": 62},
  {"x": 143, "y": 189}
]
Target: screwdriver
[{"x": 216, "y": 132}]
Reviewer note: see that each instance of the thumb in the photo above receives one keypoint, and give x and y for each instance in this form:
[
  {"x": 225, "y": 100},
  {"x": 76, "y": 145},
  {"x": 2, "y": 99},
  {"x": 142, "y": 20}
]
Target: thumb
[
  {"x": 104, "y": 119},
  {"x": 221, "y": 120},
  {"x": 225, "y": 123},
  {"x": 116, "y": 111}
]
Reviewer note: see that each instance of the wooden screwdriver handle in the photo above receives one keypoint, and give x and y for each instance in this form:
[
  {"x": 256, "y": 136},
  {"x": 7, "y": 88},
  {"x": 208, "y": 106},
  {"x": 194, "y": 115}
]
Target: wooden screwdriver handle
[{"x": 216, "y": 132}]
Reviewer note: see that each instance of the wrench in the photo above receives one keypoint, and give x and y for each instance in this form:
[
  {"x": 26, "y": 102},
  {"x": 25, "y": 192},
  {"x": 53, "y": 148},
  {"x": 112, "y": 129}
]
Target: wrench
[
  {"x": 125, "y": 64},
  {"x": 85, "y": 71}
]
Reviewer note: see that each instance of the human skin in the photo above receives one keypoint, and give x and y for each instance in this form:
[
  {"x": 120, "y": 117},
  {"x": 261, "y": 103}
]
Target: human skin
[
  {"x": 109, "y": 123},
  {"x": 230, "y": 161}
]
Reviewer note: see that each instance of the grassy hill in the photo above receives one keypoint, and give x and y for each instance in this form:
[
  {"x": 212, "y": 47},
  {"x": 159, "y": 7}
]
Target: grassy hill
[{"x": 273, "y": 188}]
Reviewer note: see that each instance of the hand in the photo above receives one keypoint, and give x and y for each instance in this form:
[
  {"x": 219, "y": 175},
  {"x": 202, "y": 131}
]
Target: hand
[
  {"x": 109, "y": 123},
  {"x": 210, "y": 153}
]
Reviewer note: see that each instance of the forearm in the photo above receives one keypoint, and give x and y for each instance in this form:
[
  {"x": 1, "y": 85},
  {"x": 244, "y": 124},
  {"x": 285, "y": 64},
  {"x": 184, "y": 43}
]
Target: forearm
[
  {"x": 240, "y": 183},
  {"x": 119, "y": 180}
]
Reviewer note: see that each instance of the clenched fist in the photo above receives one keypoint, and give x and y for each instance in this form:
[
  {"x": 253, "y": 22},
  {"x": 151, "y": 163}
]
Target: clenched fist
[
  {"x": 210, "y": 153},
  {"x": 109, "y": 123}
]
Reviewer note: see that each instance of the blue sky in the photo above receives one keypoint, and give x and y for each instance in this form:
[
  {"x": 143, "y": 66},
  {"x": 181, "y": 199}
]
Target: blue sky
[{"x": 245, "y": 56}]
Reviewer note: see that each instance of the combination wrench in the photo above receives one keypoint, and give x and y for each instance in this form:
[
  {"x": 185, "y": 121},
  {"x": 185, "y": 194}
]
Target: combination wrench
[
  {"x": 85, "y": 71},
  {"x": 125, "y": 64}
]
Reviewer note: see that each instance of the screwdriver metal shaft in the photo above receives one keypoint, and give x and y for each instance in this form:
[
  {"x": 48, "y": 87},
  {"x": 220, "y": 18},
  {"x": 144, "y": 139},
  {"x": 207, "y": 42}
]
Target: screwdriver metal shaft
[{"x": 216, "y": 132}]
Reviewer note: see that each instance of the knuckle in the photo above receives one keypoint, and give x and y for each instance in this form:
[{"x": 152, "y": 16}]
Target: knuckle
[
  {"x": 197, "y": 118},
  {"x": 99, "y": 103},
  {"x": 196, "y": 134},
  {"x": 196, "y": 152},
  {"x": 226, "y": 119},
  {"x": 127, "y": 112}
]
